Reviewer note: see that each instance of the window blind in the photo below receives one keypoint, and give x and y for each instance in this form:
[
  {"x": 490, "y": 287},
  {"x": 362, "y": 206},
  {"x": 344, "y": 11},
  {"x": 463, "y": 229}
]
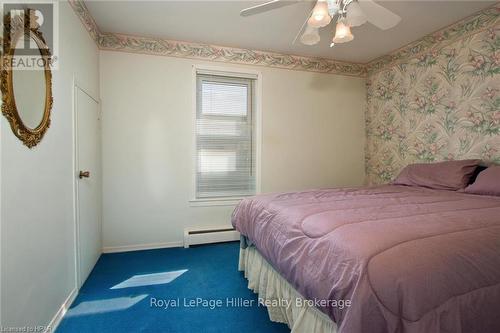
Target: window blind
[{"x": 225, "y": 154}]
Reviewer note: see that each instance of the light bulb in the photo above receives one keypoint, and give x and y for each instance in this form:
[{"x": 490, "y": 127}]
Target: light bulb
[
  {"x": 320, "y": 16},
  {"x": 342, "y": 32}
]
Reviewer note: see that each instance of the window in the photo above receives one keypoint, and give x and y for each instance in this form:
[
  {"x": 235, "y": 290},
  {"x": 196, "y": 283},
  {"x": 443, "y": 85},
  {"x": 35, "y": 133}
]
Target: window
[{"x": 225, "y": 145}]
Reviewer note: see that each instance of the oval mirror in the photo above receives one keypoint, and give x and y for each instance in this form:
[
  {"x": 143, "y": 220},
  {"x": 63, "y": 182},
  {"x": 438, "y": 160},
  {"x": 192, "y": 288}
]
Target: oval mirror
[
  {"x": 26, "y": 79},
  {"x": 29, "y": 90}
]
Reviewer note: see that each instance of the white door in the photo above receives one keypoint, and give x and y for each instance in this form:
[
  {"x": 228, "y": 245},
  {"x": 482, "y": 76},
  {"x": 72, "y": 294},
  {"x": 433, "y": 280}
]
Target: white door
[{"x": 88, "y": 177}]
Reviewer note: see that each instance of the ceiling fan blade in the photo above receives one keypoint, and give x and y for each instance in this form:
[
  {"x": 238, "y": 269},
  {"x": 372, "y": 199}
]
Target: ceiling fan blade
[
  {"x": 379, "y": 16},
  {"x": 264, "y": 7}
]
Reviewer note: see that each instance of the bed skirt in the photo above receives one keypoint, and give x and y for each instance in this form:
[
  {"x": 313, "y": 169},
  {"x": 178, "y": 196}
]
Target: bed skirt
[{"x": 284, "y": 303}]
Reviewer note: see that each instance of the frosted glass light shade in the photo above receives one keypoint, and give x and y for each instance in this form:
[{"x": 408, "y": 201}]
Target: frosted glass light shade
[
  {"x": 320, "y": 16},
  {"x": 342, "y": 33},
  {"x": 310, "y": 36},
  {"x": 355, "y": 15}
]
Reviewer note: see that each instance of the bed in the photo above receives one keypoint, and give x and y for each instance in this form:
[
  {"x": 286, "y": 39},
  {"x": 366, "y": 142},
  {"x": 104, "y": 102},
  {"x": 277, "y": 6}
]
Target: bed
[{"x": 406, "y": 259}]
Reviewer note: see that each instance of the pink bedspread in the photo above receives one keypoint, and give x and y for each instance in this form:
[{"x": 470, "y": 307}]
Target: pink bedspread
[{"x": 409, "y": 259}]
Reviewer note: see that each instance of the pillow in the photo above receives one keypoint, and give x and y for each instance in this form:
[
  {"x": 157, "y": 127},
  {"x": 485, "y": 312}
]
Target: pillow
[
  {"x": 448, "y": 175},
  {"x": 487, "y": 182}
]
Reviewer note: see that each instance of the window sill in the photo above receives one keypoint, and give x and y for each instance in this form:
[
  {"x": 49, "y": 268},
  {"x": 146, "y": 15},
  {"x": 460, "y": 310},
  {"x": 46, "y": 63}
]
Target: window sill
[{"x": 215, "y": 202}]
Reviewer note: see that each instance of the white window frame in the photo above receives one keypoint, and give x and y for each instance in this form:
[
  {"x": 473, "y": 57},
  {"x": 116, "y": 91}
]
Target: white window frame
[{"x": 257, "y": 114}]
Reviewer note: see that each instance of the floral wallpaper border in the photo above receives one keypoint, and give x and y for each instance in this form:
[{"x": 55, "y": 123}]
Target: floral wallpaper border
[
  {"x": 164, "y": 47},
  {"x": 468, "y": 26},
  {"x": 157, "y": 46},
  {"x": 88, "y": 22}
]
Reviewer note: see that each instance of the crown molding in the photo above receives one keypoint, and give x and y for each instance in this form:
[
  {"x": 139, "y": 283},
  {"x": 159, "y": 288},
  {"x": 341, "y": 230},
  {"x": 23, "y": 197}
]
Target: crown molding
[
  {"x": 468, "y": 26},
  {"x": 471, "y": 25}
]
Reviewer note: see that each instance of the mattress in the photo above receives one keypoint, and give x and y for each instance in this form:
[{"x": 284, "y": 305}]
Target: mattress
[{"x": 407, "y": 259}]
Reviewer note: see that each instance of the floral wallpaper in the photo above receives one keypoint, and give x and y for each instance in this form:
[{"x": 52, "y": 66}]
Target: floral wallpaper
[{"x": 440, "y": 105}]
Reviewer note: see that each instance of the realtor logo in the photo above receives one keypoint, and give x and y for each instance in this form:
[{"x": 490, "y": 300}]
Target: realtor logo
[{"x": 31, "y": 31}]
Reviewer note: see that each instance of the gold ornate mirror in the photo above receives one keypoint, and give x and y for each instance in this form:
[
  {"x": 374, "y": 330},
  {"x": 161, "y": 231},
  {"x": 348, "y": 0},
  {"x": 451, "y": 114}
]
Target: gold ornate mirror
[{"x": 26, "y": 79}]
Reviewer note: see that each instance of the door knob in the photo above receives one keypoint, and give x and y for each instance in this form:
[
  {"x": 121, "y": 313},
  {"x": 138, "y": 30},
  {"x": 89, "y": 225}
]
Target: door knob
[{"x": 84, "y": 174}]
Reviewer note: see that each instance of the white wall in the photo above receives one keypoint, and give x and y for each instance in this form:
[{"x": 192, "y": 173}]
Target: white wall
[
  {"x": 37, "y": 230},
  {"x": 313, "y": 136}
]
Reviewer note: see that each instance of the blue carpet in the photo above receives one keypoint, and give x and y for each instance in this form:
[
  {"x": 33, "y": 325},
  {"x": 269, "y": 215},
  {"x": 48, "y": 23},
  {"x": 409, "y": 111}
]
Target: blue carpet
[{"x": 127, "y": 292}]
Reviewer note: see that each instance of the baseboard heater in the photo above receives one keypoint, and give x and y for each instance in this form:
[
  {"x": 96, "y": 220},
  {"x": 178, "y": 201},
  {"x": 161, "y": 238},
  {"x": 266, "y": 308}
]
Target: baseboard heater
[{"x": 206, "y": 235}]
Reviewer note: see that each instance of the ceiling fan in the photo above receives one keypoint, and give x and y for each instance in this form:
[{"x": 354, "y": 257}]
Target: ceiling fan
[{"x": 349, "y": 13}]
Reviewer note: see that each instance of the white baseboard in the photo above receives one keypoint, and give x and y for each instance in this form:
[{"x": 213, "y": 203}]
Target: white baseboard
[
  {"x": 138, "y": 247},
  {"x": 56, "y": 320}
]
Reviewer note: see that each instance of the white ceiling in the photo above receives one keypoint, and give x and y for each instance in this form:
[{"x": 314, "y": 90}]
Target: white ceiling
[{"x": 219, "y": 22}]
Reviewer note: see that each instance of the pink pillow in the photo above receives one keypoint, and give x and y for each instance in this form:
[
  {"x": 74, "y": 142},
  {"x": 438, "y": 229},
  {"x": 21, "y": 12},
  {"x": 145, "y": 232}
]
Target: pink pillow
[
  {"x": 448, "y": 175},
  {"x": 487, "y": 182}
]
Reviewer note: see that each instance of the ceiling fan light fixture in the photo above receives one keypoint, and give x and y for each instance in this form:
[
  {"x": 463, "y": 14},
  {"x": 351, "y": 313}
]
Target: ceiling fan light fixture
[
  {"x": 310, "y": 36},
  {"x": 320, "y": 16},
  {"x": 355, "y": 15},
  {"x": 342, "y": 32}
]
